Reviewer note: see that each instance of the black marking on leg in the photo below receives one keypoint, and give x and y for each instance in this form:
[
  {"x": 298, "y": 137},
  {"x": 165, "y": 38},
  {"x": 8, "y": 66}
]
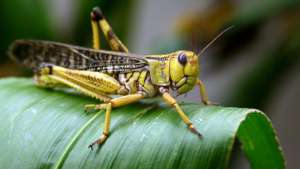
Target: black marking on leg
[
  {"x": 97, "y": 14},
  {"x": 105, "y": 134},
  {"x": 121, "y": 48},
  {"x": 40, "y": 69},
  {"x": 50, "y": 69},
  {"x": 110, "y": 34}
]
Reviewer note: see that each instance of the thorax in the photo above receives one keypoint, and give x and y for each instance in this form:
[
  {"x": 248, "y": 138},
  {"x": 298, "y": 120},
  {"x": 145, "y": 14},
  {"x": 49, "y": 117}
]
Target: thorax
[{"x": 134, "y": 82}]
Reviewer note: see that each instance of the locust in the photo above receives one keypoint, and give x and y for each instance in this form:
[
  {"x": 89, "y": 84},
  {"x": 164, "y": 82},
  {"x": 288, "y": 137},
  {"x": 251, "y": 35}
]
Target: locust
[{"x": 101, "y": 74}]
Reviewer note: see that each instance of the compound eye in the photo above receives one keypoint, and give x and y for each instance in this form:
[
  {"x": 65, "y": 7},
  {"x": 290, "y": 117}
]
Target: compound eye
[{"x": 182, "y": 59}]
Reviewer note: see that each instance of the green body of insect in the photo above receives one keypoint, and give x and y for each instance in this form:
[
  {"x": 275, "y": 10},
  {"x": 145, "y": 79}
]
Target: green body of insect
[
  {"x": 131, "y": 73},
  {"x": 99, "y": 73}
]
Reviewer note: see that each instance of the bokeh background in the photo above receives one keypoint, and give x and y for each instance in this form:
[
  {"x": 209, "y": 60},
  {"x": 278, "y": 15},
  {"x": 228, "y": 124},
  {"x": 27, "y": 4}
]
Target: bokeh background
[{"x": 256, "y": 64}]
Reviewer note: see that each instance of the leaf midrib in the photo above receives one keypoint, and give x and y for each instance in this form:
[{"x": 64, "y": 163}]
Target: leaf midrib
[{"x": 74, "y": 139}]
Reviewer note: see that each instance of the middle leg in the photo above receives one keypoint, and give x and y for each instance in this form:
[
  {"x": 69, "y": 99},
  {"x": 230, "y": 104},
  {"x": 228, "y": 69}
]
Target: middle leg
[{"x": 117, "y": 102}]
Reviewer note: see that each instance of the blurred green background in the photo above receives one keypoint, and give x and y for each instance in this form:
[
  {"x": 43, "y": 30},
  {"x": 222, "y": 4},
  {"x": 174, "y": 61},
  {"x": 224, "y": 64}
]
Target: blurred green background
[{"x": 256, "y": 64}]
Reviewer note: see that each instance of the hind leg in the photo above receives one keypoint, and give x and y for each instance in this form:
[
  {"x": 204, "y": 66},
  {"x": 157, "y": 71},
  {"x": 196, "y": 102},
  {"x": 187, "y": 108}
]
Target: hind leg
[
  {"x": 43, "y": 79},
  {"x": 83, "y": 81},
  {"x": 114, "y": 42},
  {"x": 47, "y": 82}
]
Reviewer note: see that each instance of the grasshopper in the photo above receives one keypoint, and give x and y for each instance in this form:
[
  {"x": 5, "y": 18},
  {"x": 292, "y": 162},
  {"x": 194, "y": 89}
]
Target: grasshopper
[{"x": 101, "y": 73}]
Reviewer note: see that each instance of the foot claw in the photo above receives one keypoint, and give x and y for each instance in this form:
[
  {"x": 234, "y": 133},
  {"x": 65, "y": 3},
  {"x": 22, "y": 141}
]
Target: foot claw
[
  {"x": 209, "y": 103},
  {"x": 195, "y": 131},
  {"x": 91, "y": 146},
  {"x": 100, "y": 141}
]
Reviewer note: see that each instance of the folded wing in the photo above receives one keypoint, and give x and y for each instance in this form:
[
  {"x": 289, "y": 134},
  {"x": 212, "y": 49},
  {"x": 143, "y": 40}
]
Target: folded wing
[{"x": 33, "y": 53}]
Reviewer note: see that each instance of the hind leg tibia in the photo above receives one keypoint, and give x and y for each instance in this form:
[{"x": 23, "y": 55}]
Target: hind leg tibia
[{"x": 112, "y": 39}]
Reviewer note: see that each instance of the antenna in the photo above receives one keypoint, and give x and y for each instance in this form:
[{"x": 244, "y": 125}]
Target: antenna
[{"x": 212, "y": 41}]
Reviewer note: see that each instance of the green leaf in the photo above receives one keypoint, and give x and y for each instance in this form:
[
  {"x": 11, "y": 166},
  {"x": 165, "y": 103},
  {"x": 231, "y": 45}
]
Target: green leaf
[{"x": 42, "y": 128}]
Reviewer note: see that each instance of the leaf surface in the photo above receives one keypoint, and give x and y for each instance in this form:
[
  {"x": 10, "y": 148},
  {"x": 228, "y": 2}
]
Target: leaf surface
[{"x": 43, "y": 128}]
